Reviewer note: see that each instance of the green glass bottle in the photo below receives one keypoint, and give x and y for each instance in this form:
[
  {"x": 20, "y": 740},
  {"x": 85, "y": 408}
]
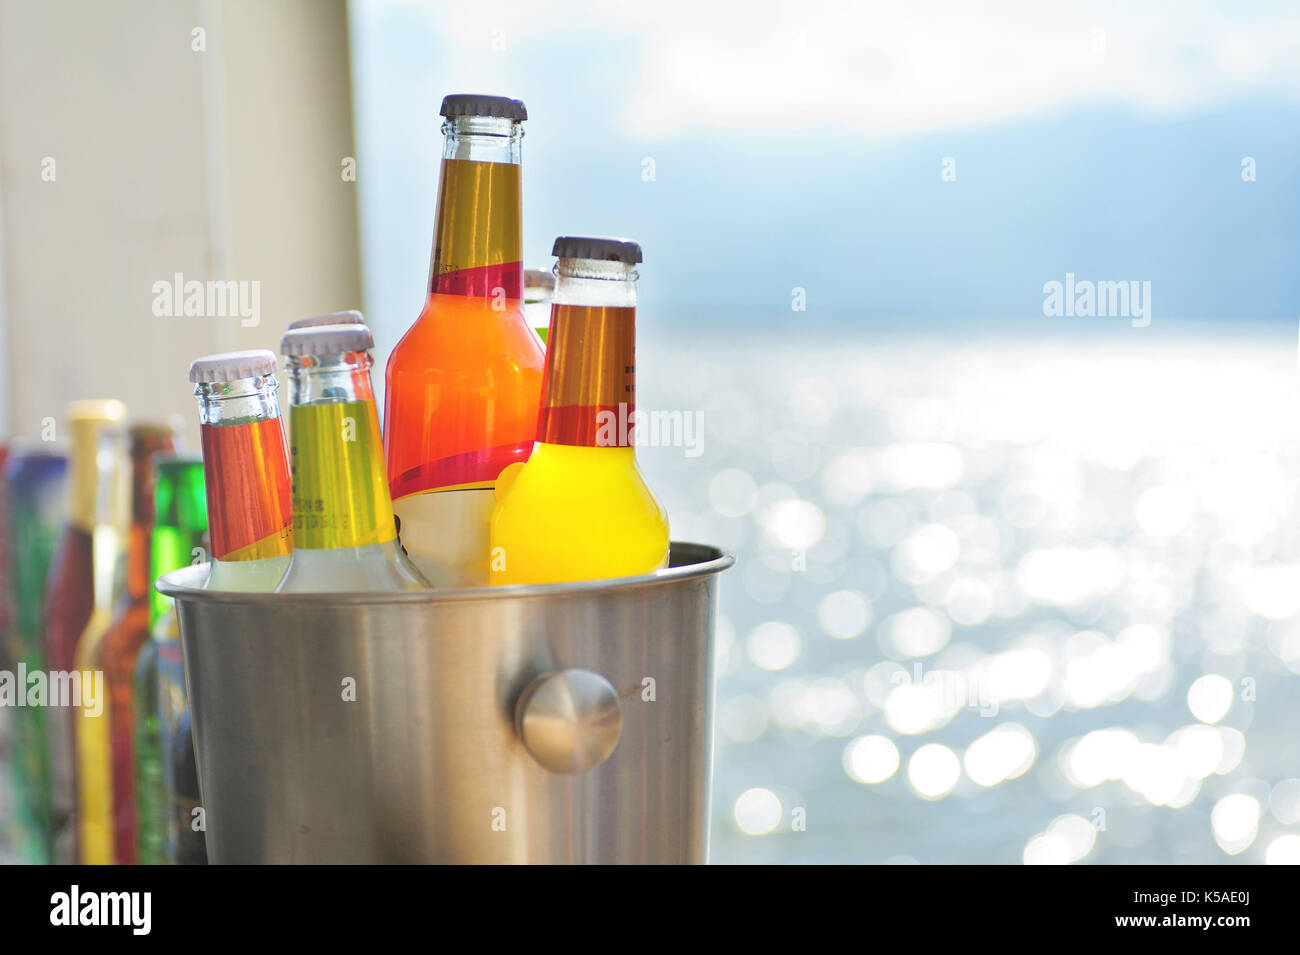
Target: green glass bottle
[
  {"x": 151, "y": 819},
  {"x": 181, "y": 520}
]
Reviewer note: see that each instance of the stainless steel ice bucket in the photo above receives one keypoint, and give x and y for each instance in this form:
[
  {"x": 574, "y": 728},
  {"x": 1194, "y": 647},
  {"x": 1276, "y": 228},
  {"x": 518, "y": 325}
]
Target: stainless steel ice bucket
[{"x": 539, "y": 724}]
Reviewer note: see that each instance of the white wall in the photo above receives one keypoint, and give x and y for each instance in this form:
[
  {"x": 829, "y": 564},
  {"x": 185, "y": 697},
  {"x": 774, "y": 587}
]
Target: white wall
[{"x": 220, "y": 163}]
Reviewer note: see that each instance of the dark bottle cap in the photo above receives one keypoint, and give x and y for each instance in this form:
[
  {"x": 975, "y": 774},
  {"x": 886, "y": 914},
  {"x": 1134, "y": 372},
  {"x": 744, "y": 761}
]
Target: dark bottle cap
[
  {"x": 599, "y": 247},
  {"x": 474, "y": 104}
]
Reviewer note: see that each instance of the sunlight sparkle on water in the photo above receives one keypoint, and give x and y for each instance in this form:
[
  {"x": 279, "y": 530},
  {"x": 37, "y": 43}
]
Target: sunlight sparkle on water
[
  {"x": 844, "y": 614},
  {"x": 1284, "y": 850},
  {"x": 871, "y": 759},
  {"x": 1000, "y": 754},
  {"x": 1210, "y": 698},
  {"x": 773, "y": 645},
  {"x": 933, "y": 771},
  {"x": 1130, "y": 550},
  {"x": 1235, "y": 820},
  {"x": 757, "y": 811}
]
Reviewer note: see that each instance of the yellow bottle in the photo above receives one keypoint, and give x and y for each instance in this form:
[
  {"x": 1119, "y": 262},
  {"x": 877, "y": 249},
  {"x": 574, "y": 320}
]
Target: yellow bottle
[
  {"x": 579, "y": 509},
  {"x": 92, "y": 721}
]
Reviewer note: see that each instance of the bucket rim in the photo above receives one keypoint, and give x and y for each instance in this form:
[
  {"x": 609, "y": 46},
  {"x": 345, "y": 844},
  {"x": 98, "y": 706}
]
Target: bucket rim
[{"x": 700, "y": 560}]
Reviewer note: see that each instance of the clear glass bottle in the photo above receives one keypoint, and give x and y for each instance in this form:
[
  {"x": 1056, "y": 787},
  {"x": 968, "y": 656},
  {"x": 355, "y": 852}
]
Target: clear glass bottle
[
  {"x": 345, "y": 538},
  {"x": 246, "y": 469},
  {"x": 579, "y": 509}
]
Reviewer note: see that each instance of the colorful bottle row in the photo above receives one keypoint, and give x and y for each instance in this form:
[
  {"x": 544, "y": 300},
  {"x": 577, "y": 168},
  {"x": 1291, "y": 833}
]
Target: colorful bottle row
[{"x": 86, "y": 535}]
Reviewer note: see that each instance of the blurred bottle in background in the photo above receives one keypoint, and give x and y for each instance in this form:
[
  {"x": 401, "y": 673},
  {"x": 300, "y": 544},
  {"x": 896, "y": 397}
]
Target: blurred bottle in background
[
  {"x": 8, "y": 664},
  {"x": 34, "y": 486},
  {"x": 180, "y": 523},
  {"x": 246, "y": 466},
  {"x": 464, "y": 382},
  {"x": 6, "y": 615},
  {"x": 127, "y": 611},
  {"x": 117, "y": 653},
  {"x": 344, "y": 534},
  {"x": 80, "y": 593},
  {"x": 579, "y": 508},
  {"x": 150, "y": 811},
  {"x": 539, "y": 284},
  {"x": 185, "y": 840}
]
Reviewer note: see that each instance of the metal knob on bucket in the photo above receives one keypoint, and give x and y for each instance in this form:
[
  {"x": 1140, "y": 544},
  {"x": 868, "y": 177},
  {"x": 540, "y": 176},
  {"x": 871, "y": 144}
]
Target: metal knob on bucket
[
  {"x": 570, "y": 720},
  {"x": 529, "y": 724}
]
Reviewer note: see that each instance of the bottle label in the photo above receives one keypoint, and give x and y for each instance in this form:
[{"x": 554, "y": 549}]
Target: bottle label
[
  {"x": 249, "y": 493},
  {"x": 445, "y": 534},
  {"x": 477, "y": 245},
  {"x": 589, "y": 391},
  {"x": 462, "y": 472},
  {"x": 340, "y": 490}
]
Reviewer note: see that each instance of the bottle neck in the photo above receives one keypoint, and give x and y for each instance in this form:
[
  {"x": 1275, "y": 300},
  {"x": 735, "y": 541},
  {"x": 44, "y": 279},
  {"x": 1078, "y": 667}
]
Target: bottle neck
[
  {"x": 170, "y": 548},
  {"x": 246, "y": 469},
  {"x": 111, "y": 518},
  {"x": 97, "y": 481},
  {"x": 180, "y": 521},
  {"x": 478, "y": 239},
  {"x": 138, "y": 560},
  {"x": 595, "y": 282},
  {"x": 340, "y": 486},
  {"x": 242, "y": 401},
  {"x": 321, "y": 379},
  {"x": 589, "y": 388}
]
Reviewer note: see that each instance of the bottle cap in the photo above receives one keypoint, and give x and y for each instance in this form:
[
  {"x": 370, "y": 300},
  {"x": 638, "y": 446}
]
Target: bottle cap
[
  {"x": 333, "y": 318},
  {"x": 599, "y": 247},
  {"x": 96, "y": 409},
  {"x": 232, "y": 365},
  {"x": 474, "y": 104},
  {"x": 326, "y": 340},
  {"x": 143, "y": 431}
]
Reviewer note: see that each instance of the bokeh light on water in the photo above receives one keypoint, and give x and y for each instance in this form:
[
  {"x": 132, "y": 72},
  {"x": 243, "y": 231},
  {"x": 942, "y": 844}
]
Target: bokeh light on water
[{"x": 1020, "y": 603}]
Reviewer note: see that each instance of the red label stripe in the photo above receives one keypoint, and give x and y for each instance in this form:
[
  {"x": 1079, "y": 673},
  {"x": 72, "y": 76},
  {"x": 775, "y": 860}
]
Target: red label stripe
[
  {"x": 469, "y": 468},
  {"x": 482, "y": 281}
]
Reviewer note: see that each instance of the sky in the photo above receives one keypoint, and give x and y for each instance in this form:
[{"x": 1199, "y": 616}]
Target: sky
[{"x": 895, "y": 162}]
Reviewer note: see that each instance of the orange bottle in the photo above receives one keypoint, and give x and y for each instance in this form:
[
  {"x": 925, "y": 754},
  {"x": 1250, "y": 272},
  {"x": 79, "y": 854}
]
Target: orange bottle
[
  {"x": 464, "y": 383},
  {"x": 119, "y": 649}
]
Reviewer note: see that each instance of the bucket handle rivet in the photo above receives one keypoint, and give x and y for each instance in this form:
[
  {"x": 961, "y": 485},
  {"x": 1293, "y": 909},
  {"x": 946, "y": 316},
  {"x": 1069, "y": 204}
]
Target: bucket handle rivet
[{"x": 569, "y": 720}]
